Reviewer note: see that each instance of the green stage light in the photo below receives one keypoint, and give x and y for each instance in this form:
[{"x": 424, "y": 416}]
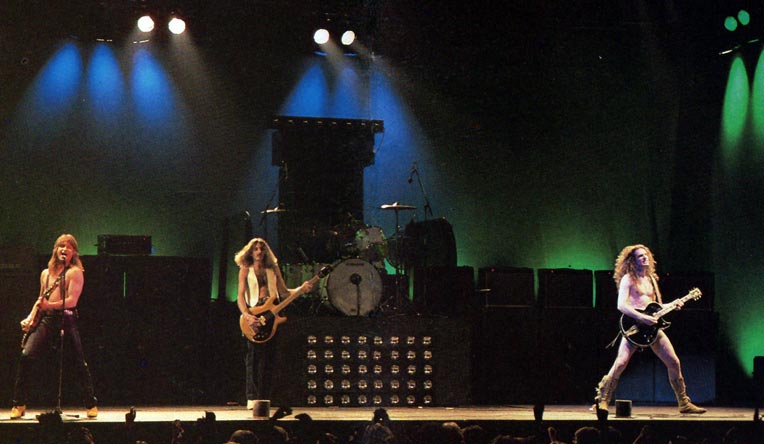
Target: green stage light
[
  {"x": 730, "y": 24},
  {"x": 743, "y": 17}
]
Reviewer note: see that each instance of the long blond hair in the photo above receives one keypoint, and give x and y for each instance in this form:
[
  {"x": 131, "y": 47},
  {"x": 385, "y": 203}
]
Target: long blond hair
[
  {"x": 626, "y": 263},
  {"x": 75, "y": 258},
  {"x": 244, "y": 258}
]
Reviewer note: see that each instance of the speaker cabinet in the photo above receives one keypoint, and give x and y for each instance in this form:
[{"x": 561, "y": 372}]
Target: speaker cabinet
[
  {"x": 565, "y": 287},
  {"x": 448, "y": 291},
  {"x": 506, "y": 286},
  {"x": 676, "y": 285},
  {"x": 605, "y": 290}
]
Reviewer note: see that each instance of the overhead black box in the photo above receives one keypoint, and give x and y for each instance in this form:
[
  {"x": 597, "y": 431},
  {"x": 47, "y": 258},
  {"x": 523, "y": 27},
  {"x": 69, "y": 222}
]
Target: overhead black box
[{"x": 124, "y": 244}]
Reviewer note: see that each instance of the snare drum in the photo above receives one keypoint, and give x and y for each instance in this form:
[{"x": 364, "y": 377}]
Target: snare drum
[{"x": 354, "y": 287}]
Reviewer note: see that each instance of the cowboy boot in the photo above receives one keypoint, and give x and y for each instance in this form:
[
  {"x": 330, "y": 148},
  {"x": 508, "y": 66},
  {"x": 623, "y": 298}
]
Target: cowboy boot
[
  {"x": 605, "y": 390},
  {"x": 685, "y": 405}
]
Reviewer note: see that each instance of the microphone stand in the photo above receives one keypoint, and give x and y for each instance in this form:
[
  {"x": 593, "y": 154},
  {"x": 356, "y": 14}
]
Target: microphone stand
[
  {"x": 58, "y": 409},
  {"x": 355, "y": 279},
  {"x": 427, "y": 207}
]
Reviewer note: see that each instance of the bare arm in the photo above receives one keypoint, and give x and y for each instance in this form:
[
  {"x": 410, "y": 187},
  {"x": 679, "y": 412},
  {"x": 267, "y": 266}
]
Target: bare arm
[{"x": 282, "y": 288}]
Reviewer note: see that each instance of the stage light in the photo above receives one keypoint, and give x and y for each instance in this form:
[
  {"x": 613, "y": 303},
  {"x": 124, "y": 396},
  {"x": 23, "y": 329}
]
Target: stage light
[
  {"x": 410, "y": 340},
  {"x": 411, "y": 355},
  {"x": 328, "y": 354},
  {"x": 145, "y": 24},
  {"x": 395, "y": 400},
  {"x": 345, "y": 369},
  {"x": 312, "y": 385},
  {"x": 730, "y": 24},
  {"x": 348, "y": 37},
  {"x": 411, "y": 369},
  {"x": 394, "y": 355},
  {"x": 427, "y": 384},
  {"x": 321, "y": 36},
  {"x": 328, "y": 369},
  {"x": 345, "y": 400},
  {"x": 378, "y": 384},
  {"x": 427, "y": 340},
  {"x": 312, "y": 369},
  {"x": 345, "y": 354},
  {"x": 362, "y": 354},
  {"x": 377, "y": 355},
  {"x": 427, "y": 355},
  {"x": 328, "y": 399},
  {"x": 362, "y": 399},
  {"x": 329, "y": 340},
  {"x": 377, "y": 400},
  {"x": 311, "y": 354},
  {"x": 410, "y": 400},
  {"x": 395, "y": 369},
  {"x": 377, "y": 369},
  {"x": 312, "y": 400},
  {"x": 345, "y": 340},
  {"x": 328, "y": 384},
  {"x": 176, "y": 26},
  {"x": 378, "y": 340},
  {"x": 345, "y": 384},
  {"x": 362, "y": 370},
  {"x": 395, "y": 384},
  {"x": 363, "y": 384},
  {"x": 394, "y": 340},
  {"x": 743, "y": 17},
  {"x": 362, "y": 340}
]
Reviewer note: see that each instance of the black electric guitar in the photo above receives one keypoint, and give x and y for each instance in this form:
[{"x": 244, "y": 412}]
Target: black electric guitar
[
  {"x": 644, "y": 335},
  {"x": 267, "y": 317},
  {"x": 35, "y": 315}
]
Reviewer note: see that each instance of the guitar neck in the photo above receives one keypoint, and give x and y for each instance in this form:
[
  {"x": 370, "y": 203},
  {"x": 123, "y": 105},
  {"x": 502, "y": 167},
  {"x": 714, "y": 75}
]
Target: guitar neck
[
  {"x": 288, "y": 300},
  {"x": 671, "y": 306}
]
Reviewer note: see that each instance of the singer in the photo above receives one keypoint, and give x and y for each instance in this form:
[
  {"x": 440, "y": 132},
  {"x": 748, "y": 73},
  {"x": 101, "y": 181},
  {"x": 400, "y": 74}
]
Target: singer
[{"x": 55, "y": 312}]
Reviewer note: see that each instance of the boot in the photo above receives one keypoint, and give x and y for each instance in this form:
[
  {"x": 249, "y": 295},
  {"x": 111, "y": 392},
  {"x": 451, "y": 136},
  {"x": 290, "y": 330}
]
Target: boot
[
  {"x": 685, "y": 405},
  {"x": 605, "y": 390}
]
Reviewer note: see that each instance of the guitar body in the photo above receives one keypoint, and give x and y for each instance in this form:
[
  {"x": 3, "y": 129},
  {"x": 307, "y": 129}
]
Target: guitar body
[
  {"x": 643, "y": 335},
  {"x": 267, "y": 318},
  {"x": 267, "y": 322},
  {"x": 35, "y": 315},
  {"x": 639, "y": 334}
]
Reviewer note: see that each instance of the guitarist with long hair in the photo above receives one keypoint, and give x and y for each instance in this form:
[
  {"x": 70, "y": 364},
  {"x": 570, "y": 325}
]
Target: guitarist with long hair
[
  {"x": 55, "y": 309},
  {"x": 260, "y": 280},
  {"x": 637, "y": 284}
]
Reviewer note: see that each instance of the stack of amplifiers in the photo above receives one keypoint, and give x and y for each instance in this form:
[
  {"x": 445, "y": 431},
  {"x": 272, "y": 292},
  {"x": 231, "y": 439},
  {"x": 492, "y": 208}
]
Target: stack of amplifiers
[
  {"x": 124, "y": 245},
  {"x": 506, "y": 286}
]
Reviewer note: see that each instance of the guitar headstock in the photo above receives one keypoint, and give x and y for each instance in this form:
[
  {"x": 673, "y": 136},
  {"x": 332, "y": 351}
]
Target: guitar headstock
[
  {"x": 695, "y": 294},
  {"x": 325, "y": 270}
]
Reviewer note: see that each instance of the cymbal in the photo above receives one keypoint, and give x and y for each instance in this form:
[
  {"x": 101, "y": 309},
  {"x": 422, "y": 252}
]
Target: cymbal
[
  {"x": 397, "y": 207},
  {"x": 274, "y": 210}
]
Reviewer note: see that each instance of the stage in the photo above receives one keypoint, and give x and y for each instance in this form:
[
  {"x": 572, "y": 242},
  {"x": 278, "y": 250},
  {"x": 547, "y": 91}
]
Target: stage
[{"x": 517, "y": 420}]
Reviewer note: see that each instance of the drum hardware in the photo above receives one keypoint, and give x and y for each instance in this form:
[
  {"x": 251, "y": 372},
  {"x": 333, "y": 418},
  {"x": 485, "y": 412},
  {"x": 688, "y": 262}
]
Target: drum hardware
[{"x": 398, "y": 300}]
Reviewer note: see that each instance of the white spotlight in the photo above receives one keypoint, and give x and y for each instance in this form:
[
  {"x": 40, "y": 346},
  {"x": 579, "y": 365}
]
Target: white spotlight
[
  {"x": 321, "y": 36},
  {"x": 176, "y": 26},
  {"x": 348, "y": 37},
  {"x": 145, "y": 24}
]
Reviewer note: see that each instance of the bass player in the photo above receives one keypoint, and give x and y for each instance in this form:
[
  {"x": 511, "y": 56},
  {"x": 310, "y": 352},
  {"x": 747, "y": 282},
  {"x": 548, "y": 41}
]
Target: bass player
[
  {"x": 259, "y": 280},
  {"x": 55, "y": 312},
  {"x": 638, "y": 287}
]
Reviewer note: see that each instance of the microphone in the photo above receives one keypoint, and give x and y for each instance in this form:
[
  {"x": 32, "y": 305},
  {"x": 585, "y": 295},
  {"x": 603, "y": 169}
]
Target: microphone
[{"x": 413, "y": 171}]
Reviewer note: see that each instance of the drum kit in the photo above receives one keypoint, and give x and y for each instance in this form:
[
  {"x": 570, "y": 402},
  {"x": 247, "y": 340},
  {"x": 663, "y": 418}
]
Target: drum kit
[{"x": 355, "y": 286}]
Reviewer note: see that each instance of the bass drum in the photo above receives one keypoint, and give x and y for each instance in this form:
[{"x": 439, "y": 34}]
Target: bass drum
[{"x": 354, "y": 287}]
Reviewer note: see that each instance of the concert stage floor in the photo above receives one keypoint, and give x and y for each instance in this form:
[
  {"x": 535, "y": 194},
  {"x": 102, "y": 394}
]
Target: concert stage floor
[{"x": 510, "y": 419}]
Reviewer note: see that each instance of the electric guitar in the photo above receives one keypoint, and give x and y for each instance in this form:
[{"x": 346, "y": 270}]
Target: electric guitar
[
  {"x": 267, "y": 317},
  {"x": 644, "y": 335},
  {"x": 35, "y": 313}
]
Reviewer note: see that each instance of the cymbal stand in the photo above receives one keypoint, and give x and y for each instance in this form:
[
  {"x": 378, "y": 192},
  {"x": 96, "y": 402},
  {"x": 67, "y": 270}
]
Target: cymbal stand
[
  {"x": 427, "y": 207},
  {"x": 399, "y": 268}
]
